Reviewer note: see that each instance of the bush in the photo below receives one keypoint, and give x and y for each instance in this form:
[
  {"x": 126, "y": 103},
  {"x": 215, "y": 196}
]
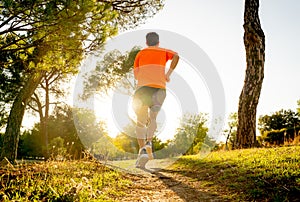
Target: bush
[{"x": 282, "y": 136}]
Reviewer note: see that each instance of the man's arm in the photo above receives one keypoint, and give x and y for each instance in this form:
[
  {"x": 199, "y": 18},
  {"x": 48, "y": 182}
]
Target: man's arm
[{"x": 172, "y": 66}]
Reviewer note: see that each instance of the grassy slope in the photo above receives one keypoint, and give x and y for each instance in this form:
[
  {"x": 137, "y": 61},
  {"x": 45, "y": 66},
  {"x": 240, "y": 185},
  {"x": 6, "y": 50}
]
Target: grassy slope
[
  {"x": 241, "y": 175},
  {"x": 61, "y": 181},
  {"x": 247, "y": 175}
]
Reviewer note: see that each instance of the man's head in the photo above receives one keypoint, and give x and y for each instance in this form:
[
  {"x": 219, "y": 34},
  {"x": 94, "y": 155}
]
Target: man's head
[{"x": 152, "y": 39}]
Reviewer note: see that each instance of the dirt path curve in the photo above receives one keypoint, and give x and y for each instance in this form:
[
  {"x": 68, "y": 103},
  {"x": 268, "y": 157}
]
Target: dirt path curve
[{"x": 157, "y": 184}]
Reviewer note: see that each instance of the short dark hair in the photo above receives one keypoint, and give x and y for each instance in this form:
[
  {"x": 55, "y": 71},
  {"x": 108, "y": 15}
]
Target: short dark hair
[{"x": 152, "y": 39}]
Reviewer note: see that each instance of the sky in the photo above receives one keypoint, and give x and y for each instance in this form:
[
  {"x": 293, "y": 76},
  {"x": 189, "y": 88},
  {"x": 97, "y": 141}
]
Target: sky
[{"x": 216, "y": 26}]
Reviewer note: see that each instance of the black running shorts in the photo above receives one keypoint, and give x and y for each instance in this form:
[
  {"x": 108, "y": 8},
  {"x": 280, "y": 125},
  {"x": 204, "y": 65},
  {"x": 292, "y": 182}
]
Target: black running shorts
[{"x": 151, "y": 97}]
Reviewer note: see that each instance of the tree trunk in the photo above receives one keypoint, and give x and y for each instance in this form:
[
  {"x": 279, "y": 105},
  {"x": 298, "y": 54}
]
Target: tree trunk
[
  {"x": 227, "y": 139},
  {"x": 46, "y": 117},
  {"x": 42, "y": 119},
  {"x": 254, "y": 40},
  {"x": 12, "y": 132}
]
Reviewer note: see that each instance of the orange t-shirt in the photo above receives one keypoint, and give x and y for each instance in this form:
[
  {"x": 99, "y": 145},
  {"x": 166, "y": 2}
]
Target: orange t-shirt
[{"x": 149, "y": 66}]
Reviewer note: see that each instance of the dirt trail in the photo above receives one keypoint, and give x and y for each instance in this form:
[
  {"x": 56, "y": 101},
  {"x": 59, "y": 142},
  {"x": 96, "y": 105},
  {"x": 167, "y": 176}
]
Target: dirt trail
[
  {"x": 157, "y": 184},
  {"x": 167, "y": 186}
]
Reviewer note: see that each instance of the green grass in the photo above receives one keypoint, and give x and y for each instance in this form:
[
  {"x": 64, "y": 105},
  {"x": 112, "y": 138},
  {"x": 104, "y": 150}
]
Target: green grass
[
  {"x": 271, "y": 174},
  {"x": 242, "y": 175},
  {"x": 61, "y": 181}
]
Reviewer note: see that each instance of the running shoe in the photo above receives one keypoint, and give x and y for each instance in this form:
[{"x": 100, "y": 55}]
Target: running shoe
[
  {"x": 148, "y": 147},
  {"x": 142, "y": 159}
]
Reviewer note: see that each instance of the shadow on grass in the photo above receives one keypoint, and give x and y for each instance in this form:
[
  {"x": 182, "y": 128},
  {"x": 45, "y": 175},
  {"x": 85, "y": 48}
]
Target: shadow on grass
[{"x": 240, "y": 183}]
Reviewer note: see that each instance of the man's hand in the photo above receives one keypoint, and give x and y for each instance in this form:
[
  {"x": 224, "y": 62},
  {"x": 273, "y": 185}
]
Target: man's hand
[
  {"x": 167, "y": 78},
  {"x": 172, "y": 67},
  {"x": 168, "y": 74}
]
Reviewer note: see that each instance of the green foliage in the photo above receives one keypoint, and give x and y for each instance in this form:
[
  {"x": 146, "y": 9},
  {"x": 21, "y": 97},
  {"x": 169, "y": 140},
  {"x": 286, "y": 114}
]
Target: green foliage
[
  {"x": 133, "y": 12},
  {"x": 190, "y": 135},
  {"x": 11, "y": 79},
  {"x": 123, "y": 146},
  {"x": 88, "y": 128},
  {"x": 43, "y": 35},
  {"x": 62, "y": 20},
  {"x": 30, "y": 145},
  {"x": 298, "y": 108},
  {"x": 61, "y": 181},
  {"x": 233, "y": 124},
  {"x": 280, "y": 137},
  {"x": 49, "y": 34},
  {"x": 159, "y": 148},
  {"x": 278, "y": 120},
  {"x": 56, "y": 147},
  {"x": 63, "y": 134},
  {"x": 115, "y": 70},
  {"x": 246, "y": 175},
  {"x": 126, "y": 143},
  {"x": 61, "y": 124},
  {"x": 106, "y": 149},
  {"x": 1, "y": 136},
  {"x": 230, "y": 133},
  {"x": 279, "y": 128},
  {"x": 274, "y": 137},
  {"x": 60, "y": 31},
  {"x": 39, "y": 36}
]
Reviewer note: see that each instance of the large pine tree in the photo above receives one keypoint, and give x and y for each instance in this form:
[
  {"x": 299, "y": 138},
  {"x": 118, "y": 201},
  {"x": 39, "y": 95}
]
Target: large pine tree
[{"x": 254, "y": 40}]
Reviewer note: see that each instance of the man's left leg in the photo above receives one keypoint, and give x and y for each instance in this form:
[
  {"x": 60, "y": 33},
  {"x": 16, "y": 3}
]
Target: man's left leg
[
  {"x": 158, "y": 99},
  {"x": 141, "y": 129}
]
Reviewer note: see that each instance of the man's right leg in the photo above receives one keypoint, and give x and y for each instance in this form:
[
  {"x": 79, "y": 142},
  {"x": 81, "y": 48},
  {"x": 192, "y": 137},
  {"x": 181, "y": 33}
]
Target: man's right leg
[{"x": 150, "y": 132}]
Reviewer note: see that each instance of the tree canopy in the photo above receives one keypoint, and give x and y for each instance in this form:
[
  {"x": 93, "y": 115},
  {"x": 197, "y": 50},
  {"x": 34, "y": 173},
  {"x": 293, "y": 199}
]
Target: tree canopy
[
  {"x": 191, "y": 134},
  {"x": 113, "y": 71},
  {"x": 36, "y": 36}
]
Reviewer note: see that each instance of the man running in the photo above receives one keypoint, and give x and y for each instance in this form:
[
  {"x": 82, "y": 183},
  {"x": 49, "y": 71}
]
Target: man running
[{"x": 149, "y": 71}]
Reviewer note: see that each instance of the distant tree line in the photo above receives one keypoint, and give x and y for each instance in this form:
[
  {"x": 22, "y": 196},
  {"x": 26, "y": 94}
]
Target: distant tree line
[
  {"x": 68, "y": 140},
  {"x": 279, "y": 128},
  {"x": 72, "y": 139}
]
